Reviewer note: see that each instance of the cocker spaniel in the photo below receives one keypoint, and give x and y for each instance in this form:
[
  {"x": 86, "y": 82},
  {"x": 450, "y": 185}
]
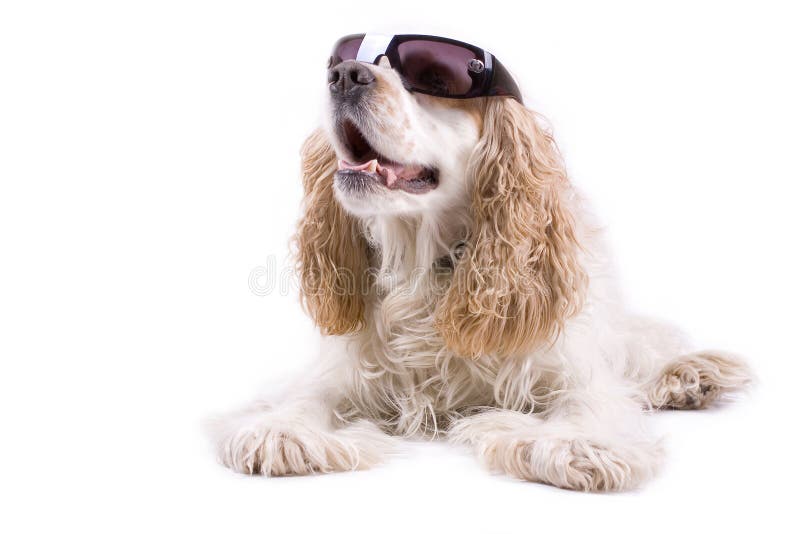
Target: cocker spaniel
[{"x": 462, "y": 288}]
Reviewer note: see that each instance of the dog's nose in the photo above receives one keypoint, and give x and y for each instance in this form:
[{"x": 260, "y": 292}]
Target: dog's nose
[{"x": 349, "y": 78}]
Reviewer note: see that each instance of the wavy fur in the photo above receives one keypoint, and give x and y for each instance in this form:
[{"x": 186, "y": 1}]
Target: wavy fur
[
  {"x": 331, "y": 250},
  {"x": 485, "y": 312},
  {"x": 519, "y": 278}
]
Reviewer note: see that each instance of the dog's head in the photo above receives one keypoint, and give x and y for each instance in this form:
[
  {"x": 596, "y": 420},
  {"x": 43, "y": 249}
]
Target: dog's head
[{"x": 389, "y": 151}]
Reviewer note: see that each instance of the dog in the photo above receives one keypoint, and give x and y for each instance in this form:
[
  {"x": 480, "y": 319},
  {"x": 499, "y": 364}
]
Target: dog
[{"x": 463, "y": 290}]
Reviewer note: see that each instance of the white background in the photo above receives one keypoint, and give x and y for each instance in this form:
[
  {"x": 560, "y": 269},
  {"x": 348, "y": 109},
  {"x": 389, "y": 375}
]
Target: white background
[{"x": 148, "y": 163}]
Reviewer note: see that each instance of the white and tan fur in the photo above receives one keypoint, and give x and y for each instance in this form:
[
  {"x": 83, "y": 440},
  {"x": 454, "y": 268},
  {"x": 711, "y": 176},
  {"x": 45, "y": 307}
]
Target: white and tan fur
[{"x": 484, "y": 312}]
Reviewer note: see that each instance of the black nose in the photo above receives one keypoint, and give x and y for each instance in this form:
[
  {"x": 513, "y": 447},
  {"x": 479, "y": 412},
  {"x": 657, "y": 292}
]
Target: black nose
[{"x": 349, "y": 79}]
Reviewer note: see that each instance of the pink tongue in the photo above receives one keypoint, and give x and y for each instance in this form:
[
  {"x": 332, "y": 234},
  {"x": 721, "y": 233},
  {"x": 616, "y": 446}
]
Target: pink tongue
[{"x": 390, "y": 170}]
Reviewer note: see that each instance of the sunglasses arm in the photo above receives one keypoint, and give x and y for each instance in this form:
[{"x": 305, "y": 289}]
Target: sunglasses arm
[{"x": 503, "y": 83}]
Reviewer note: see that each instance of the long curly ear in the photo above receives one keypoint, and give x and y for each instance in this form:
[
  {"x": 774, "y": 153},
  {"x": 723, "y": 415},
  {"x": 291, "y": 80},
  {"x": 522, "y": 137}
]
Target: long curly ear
[
  {"x": 519, "y": 276},
  {"x": 331, "y": 250}
]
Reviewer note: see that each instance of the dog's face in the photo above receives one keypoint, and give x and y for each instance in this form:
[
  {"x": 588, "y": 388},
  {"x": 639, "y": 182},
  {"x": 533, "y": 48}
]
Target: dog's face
[
  {"x": 480, "y": 174},
  {"x": 398, "y": 152}
]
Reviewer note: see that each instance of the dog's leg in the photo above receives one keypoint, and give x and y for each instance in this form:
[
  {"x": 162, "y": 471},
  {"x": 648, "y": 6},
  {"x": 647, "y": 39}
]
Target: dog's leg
[
  {"x": 673, "y": 377},
  {"x": 586, "y": 440},
  {"x": 300, "y": 433}
]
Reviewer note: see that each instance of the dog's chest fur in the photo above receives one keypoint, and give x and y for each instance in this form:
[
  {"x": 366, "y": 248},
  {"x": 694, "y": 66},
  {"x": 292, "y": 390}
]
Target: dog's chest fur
[{"x": 410, "y": 382}]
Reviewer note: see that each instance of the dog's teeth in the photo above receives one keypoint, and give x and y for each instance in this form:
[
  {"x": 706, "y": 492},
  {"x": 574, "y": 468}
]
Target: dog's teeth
[{"x": 373, "y": 166}]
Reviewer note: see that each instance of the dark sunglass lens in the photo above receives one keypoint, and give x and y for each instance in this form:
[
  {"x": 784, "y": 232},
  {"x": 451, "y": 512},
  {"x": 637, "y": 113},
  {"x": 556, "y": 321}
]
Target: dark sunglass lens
[
  {"x": 439, "y": 68},
  {"x": 345, "y": 49}
]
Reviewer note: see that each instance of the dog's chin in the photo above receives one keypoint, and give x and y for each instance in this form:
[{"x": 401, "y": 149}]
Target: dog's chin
[
  {"x": 377, "y": 179},
  {"x": 365, "y": 194}
]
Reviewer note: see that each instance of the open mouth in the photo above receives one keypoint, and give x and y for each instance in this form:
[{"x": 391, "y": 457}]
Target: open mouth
[{"x": 369, "y": 166}]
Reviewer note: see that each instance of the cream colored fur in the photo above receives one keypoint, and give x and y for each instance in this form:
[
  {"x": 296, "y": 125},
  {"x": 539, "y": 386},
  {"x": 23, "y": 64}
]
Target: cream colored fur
[{"x": 484, "y": 312}]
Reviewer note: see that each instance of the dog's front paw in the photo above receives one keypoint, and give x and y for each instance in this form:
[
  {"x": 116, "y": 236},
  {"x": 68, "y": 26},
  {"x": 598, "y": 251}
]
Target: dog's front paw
[
  {"x": 557, "y": 453},
  {"x": 272, "y": 447},
  {"x": 582, "y": 464}
]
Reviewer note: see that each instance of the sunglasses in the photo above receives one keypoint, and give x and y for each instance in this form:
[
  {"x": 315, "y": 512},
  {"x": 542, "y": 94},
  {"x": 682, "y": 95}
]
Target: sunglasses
[{"x": 432, "y": 65}]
